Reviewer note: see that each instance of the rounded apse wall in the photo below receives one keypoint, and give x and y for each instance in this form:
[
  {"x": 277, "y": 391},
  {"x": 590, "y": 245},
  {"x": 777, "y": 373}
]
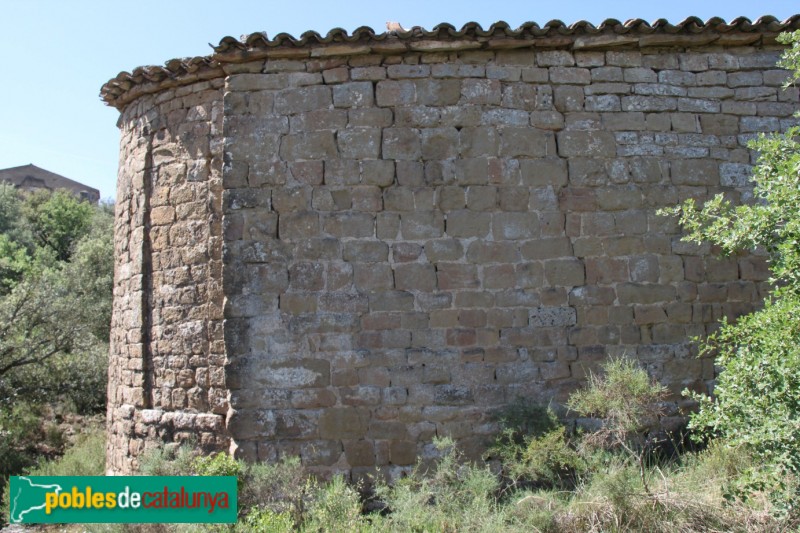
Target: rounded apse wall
[{"x": 341, "y": 247}]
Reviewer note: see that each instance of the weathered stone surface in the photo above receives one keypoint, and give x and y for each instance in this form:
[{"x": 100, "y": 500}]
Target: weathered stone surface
[{"x": 339, "y": 256}]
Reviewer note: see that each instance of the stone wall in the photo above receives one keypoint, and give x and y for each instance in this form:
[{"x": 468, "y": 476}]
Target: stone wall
[
  {"x": 396, "y": 244},
  {"x": 166, "y": 368}
]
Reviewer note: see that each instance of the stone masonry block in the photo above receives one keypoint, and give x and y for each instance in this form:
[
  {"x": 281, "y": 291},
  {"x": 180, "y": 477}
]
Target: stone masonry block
[
  {"x": 354, "y": 94},
  {"x": 515, "y": 226},
  {"x": 307, "y": 276},
  {"x": 415, "y": 276},
  {"x": 456, "y": 276},
  {"x": 473, "y": 171},
  {"x": 344, "y": 423},
  {"x": 476, "y": 91},
  {"x": 571, "y": 75},
  {"x": 586, "y": 144},
  {"x": 391, "y": 301},
  {"x": 553, "y": 317},
  {"x": 640, "y": 293},
  {"x": 359, "y": 143},
  {"x": 298, "y": 225},
  {"x": 350, "y": 224},
  {"x": 421, "y": 225},
  {"x": 481, "y": 198},
  {"x": 313, "y": 145},
  {"x": 550, "y": 171},
  {"x": 318, "y": 119},
  {"x": 439, "y": 143},
  {"x": 302, "y": 99},
  {"x": 526, "y": 142},
  {"x": 648, "y": 103},
  {"x": 465, "y": 223},
  {"x": 551, "y": 58},
  {"x": 359, "y": 452},
  {"x": 434, "y": 92},
  {"x": 619, "y": 198},
  {"x": 373, "y": 276},
  {"x": 365, "y": 251},
  {"x": 291, "y": 199},
  {"x": 369, "y": 117},
  {"x": 694, "y": 172},
  {"x": 395, "y": 92},
  {"x": 478, "y": 142},
  {"x": 568, "y": 272},
  {"x": 482, "y": 252},
  {"x": 444, "y": 250},
  {"x": 401, "y": 143},
  {"x": 624, "y": 58}
]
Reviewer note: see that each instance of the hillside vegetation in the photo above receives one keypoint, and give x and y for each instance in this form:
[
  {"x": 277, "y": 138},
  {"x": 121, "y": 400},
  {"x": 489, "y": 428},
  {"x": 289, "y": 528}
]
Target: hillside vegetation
[{"x": 56, "y": 278}]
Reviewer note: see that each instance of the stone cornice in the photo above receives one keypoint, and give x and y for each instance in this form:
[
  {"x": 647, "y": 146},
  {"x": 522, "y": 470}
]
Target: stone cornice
[{"x": 635, "y": 33}]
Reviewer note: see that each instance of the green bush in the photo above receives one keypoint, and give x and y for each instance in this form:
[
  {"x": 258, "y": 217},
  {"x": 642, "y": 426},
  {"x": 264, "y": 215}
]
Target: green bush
[
  {"x": 534, "y": 448},
  {"x": 449, "y": 496},
  {"x": 629, "y": 403},
  {"x": 523, "y": 419},
  {"x": 171, "y": 461},
  {"x": 56, "y": 281},
  {"x": 757, "y": 395},
  {"x": 270, "y": 491},
  {"x": 218, "y": 464},
  {"x": 87, "y": 457},
  {"x": 551, "y": 458},
  {"x": 335, "y": 506},
  {"x": 265, "y": 521},
  {"x": 756, "y": 400},
  {"x": 20, "y": 431},
  {"x": 282, "y": 487}
]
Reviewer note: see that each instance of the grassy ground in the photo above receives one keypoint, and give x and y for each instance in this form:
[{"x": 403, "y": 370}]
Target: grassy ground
[
  {"x": 540, "y": 475},
  {"x": 683, "y": 494}
]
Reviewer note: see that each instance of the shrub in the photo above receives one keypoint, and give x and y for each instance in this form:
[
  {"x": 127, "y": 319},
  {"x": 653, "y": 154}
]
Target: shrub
[
  {"x": 281, "y": 488},
  {"x": 627, "y": 401},
  {"x": 533, "y": 447},
  {"x": 265, "y": 521},
  {"x": 551, "y": 458},
  {"x": 170, "y": 461},
  {"x": 523, "y": 419},
  {"x": 335, "y": 506},
  {"x": 757, "y": 396},
  {"x": 218, "y": 464},
  {"x": 87, "y": 457},
  {"x": 449, "y": 496},
  {"x": 269, "y": 491}
]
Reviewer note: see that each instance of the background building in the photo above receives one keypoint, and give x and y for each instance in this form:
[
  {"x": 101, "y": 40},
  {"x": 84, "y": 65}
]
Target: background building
[{"x": 31, "y": 177}]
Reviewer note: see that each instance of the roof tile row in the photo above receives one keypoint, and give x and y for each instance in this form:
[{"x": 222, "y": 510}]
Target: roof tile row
[{"x": 581, "y": 35}]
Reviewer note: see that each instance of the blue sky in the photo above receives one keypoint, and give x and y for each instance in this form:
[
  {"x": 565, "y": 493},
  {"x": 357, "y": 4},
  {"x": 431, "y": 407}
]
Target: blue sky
[{"x": 57, "y": 54}]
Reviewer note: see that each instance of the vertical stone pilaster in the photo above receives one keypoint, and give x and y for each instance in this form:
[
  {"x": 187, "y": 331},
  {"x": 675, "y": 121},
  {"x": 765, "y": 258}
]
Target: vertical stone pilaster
[{"x": 166, "y": 361}]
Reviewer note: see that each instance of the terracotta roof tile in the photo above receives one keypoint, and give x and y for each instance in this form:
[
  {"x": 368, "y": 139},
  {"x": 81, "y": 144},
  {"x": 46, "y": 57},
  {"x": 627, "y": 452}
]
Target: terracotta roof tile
[{"x": 127, "y": 86}]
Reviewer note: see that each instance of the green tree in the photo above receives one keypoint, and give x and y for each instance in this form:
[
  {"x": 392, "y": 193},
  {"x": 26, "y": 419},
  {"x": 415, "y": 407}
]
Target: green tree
[
  {"x": 56, "y": 276},
  {"x": 56, "y": 280},
  {"x": 57, "y": 220},
  {"x": 756, "y": 400}
]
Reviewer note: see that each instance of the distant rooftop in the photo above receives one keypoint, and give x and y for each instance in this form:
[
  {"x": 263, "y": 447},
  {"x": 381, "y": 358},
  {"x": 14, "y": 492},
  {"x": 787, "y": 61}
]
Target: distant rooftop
[{"x": 31, "y": 177}]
